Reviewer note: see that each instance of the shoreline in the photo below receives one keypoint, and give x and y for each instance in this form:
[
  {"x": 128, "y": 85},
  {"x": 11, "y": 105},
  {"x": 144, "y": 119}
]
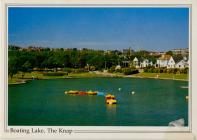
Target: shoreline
[
  {"x": 133, "y": 76},
  {"x": 97, "y": 75}
]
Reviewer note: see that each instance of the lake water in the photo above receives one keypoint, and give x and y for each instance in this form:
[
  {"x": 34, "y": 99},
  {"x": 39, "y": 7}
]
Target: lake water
[{"x": 43, "y": 102}]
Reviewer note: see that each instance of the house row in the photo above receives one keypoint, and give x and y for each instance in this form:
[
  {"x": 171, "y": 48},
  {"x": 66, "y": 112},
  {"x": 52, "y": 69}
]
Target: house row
[
  {"x": 141, "y": 64},
  {"x": 164, "y": 61}
]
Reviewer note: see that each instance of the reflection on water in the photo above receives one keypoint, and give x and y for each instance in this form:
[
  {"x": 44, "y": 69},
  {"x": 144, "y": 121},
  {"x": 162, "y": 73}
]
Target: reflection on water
[
  {"x": 111, "y": 113},
  {"x": 111, "y": 109}
]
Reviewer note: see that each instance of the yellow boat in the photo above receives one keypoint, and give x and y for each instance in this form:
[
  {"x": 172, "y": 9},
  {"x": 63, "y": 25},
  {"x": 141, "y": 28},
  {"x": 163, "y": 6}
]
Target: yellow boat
[
  {"x": 72, "y": 92},
  {"x": 92, "y": 92},
  {"x": 111, "y": 101},
  {"x": 109, "y": 96}
]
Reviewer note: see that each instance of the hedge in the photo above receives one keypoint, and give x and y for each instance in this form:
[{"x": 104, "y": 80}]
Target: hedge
[{"x": 129, "y": 71}]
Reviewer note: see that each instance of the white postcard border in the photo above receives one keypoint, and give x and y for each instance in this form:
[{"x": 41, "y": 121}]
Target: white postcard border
[{"x": 159, "y": 131}]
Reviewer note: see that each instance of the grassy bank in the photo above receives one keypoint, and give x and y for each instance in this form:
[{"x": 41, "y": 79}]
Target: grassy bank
[
  {"x": 17, "y": 79},
  {"x": 162, "y": 76}
]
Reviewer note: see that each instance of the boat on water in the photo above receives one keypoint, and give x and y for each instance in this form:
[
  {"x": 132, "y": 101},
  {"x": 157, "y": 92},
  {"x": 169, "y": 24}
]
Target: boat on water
[
  {"x": 82, "y": 93},
  {"x": 109, "y": 96},
  {"x": 72, "y": 92},
  {"x": 101, "y": 94},
  {"x": 110, "y": 99},
  {"x": 92, "y": 92}
]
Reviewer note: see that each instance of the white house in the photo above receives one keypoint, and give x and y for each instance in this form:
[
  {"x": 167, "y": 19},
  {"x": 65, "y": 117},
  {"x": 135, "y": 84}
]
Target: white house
[
  {"x": 163, "y": 60},
  {"x": 136, "y": 62},
  {"x": 146, "y": 63},
  {"x": 181, "y": 64},
  {"x": 186, "y": 59},
  {"x": 171, "y": 63}
]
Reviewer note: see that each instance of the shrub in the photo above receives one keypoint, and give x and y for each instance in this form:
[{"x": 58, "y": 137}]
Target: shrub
[
  {"x": 118, "y": 70},
  {"x": 92, "y": 68},
  {"x": 112, "y": 69},
  {"x": 165, "y": 70},
  {"x": 185, "y": 70},
  {"x": 128, "y": 71}
]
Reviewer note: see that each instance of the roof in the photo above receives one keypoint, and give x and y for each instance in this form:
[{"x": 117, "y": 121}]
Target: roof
[
  {"x": 165, "y": 57},
  {"x": 177, "y": 59},
  {"x": 135, "y": 59}
]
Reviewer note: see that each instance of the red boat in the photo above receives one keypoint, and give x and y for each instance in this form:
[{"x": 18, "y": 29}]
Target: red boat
[{"x": 82, "y": 93}]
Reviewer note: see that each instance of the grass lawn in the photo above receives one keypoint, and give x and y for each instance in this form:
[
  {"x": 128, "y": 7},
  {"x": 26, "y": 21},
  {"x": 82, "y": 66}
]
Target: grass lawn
[
  {"x": 17, "y": 79},
  {"x": 89, "y": 75},
  {"x": 163, "y": 76}
]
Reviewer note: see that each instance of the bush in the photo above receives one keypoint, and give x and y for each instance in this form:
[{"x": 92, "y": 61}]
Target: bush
[
  {"x": 165, "y": 70},
  {"x": 128, "y": 71},
  {"x": 112, "y": 69},
  {"x": 118, "y": 70},
  {"x": 155, "y": 70},
  {"x": 185, "y": 70},
  {"x": 54, "y": 74}
]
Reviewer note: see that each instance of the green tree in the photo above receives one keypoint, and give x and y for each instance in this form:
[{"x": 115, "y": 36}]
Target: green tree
[
  {"x": 26, "y": 67},
  {"x": 12, "y": 66},
  {"x": 169, "y": 53}
]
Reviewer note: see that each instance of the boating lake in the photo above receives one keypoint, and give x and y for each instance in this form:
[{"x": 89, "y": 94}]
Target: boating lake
[{"x": 43, "y": 102}]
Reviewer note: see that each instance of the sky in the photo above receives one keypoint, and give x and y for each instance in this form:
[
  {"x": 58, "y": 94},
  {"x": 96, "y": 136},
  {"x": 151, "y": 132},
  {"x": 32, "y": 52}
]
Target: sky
[{"x": 153, "y": 29}]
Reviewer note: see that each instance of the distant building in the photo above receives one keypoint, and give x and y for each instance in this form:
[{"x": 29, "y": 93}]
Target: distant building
[
  {"x": 180, "y": 51},
  {"x": 127, "y": 51},
  {"x": 156, "y": 53},
  {"x": 108, "y": 52}
]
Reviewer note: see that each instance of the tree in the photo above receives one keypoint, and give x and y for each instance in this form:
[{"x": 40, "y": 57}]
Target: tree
[
  {"x": 169, "y": 53},
  {"x": 12, "y": 66},
  {"x": 26, "y": 67}
]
